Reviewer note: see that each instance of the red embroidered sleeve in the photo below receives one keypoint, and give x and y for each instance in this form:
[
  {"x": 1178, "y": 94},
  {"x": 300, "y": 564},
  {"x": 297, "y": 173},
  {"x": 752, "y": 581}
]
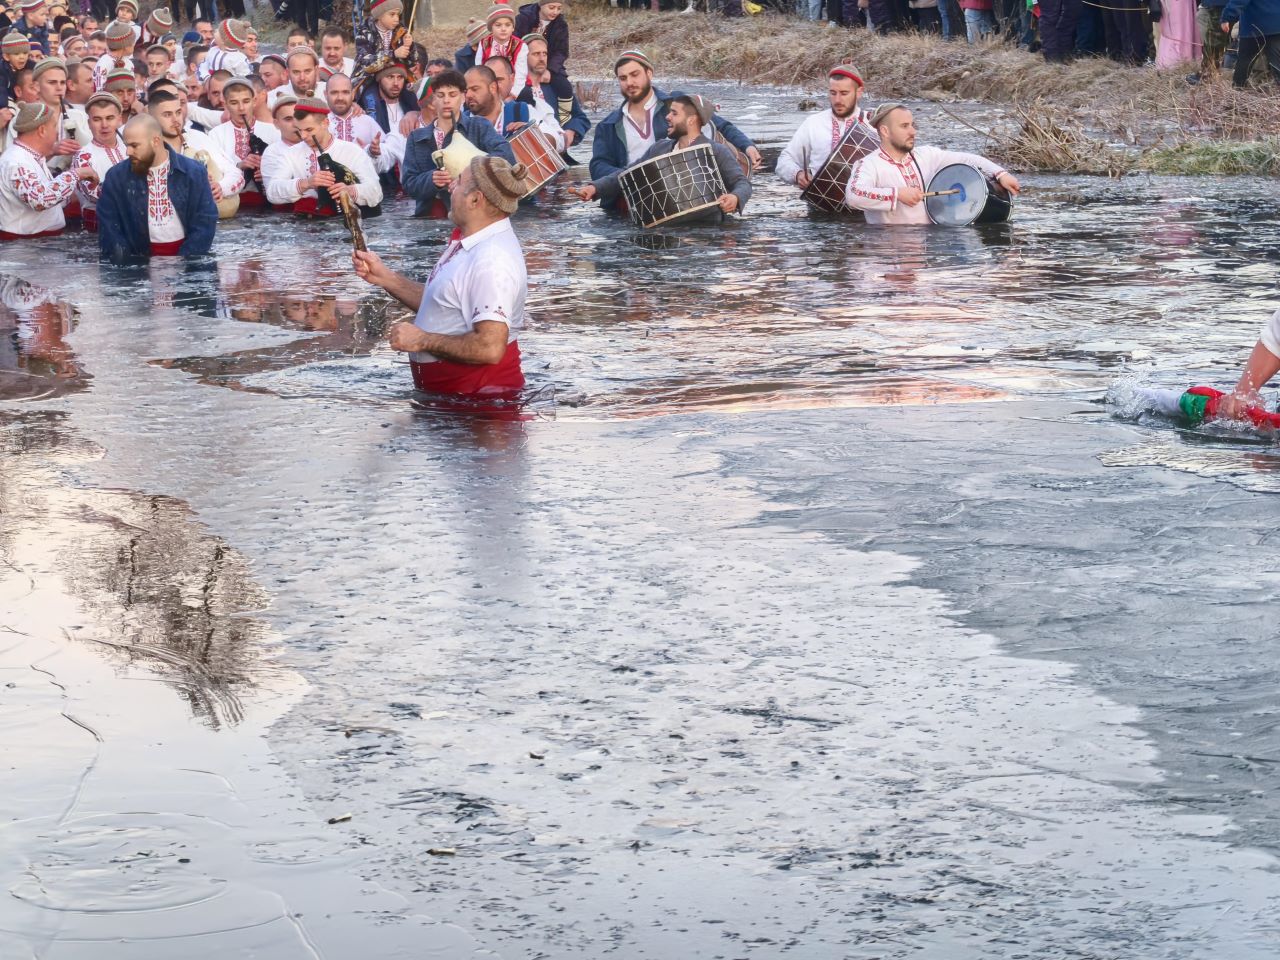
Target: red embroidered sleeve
[
  {"x": 39, "y": 193},
  {"x": 91, "y": 190}
]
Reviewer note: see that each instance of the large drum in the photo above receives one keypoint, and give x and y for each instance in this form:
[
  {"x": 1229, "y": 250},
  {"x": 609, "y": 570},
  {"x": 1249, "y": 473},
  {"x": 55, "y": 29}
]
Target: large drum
[
  {"x": 827, "y": 191},
  {"x": 673, "y": 186},
  {"x": 976, "y": 197},
  {"x": 541, "y": 159}
]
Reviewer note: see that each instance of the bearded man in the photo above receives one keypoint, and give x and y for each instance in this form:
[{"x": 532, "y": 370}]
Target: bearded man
[{"x": 158, "y": 204}]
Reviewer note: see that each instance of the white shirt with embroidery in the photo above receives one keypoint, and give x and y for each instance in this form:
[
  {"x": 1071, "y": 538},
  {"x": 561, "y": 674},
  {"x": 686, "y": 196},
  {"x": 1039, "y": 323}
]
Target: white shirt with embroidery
[
  {"x": 480, "y": 277},
  {"x": 300, "y": 162},
  {"x": 101, "y": 159},
  {"x": 812, "y": 143},
  {"x": 163, "y": 224},
  {"x": 31, "y": 197},
  {"x": 877, "y": 178},
  {"x": 233, "y": 141}
]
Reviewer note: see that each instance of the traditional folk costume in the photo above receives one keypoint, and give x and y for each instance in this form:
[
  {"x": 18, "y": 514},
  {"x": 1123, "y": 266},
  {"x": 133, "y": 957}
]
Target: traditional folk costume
[
  {"x": 877, "y": 177},
  {"x": 568, "y": 112},
  {"x": 360, "y": 129},
  {"x": 101, "y": 157},
  {"x": 230, "y": 37},
  {"x": 375, "y": 45},
  {"x": 168, "y": 211},
  {"x": 811, "y": 145},
  {"x": 39, "y": 36},
  {"x": 419, "y": 163},
  {"x": 514, "y": 50},
  {"x": 31, "y": 196},
  {"x": 478, "y": 278},
  {"x": 303, "y": 161},
  {"x": 118, "y": 56},
  {"x": 239, "y": 142}
]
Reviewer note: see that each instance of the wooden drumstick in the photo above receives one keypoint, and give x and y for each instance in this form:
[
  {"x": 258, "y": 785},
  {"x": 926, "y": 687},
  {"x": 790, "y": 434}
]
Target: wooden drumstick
[{"x": 943, "y": 193}]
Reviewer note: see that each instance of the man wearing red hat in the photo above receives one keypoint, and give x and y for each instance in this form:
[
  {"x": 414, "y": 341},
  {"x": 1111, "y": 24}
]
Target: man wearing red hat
[
  {"x": 818, "y": 135},
  {"x": 273, "y": 158},
  {"x": 308, "y": 168}
]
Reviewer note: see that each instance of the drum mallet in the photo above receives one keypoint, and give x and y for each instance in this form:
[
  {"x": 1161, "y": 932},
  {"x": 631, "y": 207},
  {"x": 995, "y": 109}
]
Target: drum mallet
[{"x": 943, "y": 193}]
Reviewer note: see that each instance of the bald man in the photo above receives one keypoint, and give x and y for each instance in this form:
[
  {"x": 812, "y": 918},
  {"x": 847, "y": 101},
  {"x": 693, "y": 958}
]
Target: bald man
[{"x": 158, "y": 204}]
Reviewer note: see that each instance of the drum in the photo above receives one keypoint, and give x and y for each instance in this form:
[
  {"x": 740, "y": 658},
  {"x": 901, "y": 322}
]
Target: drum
[
  {"x": 542, "y": 160},
  {"x": 979, "y": 199},
  {"x": 827, "y": 191},
  {"x": 673, "y": 186}
]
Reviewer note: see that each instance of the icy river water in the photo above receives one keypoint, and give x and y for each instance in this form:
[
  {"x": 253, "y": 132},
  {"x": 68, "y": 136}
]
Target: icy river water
[{"x": 818, "y": 609}]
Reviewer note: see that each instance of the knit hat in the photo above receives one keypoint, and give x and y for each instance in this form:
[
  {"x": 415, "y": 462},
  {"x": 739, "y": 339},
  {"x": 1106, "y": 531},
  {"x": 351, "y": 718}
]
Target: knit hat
[
  {"x": 501, "y": 183},
  {"x": 543, "y": 3},
  {"x": 158, "y": 48},
  {"x": 32, "y": 116},
  {"x": 190, "y": 37},
  {"x": 120, "y": 79},
  {"x": 379, "y": 7},
  {"x": 632, "y": 56},
  {"x": 528, "y": 38},
  {"x": 845, "y": 70},
  {"x": 119, "y": 36},
  {"x": 391, "y": 66},
  {"x": 45, "y": 65},
  {"x": 274, "y": 58},
  {"x": 311, "y": 105},
  {"x": 103, "y": 97},
  {"x": 30, "y": 6},
  {"x": 302, "y": 51},
  {"x": 477, "y": 30},
  {"x": 286, "y": 100},
  {"x": 703, "y": 107},
  {"x": 883, "y": 111},
  {"x": 15, "y": 42},
  {"x": 130, "y": 4},
  {"x": 497, "y": 12},
  {"x": 160, "y": 22},
  {"x": 423, "y": 92},
  {"x": 232, "y": 34},
  {"x": 237, "y": 82}
]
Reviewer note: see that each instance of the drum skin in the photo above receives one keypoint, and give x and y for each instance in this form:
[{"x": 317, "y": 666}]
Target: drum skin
[
  {"x": 542, "y": 160},
  {"x": 980, "y": 200},
  {"x": 672, "y": 186},
  {"x": 826, "y": 193}
]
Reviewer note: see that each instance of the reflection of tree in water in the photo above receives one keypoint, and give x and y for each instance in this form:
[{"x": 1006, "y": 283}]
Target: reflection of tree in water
[
  {"x": 170, "y": 596},
  {"x": 35, "y": 361}
]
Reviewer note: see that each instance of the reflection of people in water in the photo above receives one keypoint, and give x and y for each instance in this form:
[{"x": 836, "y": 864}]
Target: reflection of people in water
[{"x": 33, "y": 324}]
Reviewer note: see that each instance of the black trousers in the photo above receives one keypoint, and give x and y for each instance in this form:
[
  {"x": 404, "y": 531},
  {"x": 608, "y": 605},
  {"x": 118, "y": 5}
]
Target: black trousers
[
  {"x": 1251, "y": 46},
  {"x": 1058, "y": 19},
  {"x": 1128, "y": 35}
]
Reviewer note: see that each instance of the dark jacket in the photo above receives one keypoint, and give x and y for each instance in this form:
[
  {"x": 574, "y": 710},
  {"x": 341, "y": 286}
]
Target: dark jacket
[
  {"x": 465, "y": 58},
  {"x": 418, "y": 166},
  {"x": 122, "y": 209},
  {"x": 39, "y": 36},
  {"x": 1258, "y": 18},
  {"x": 376, "y": 107},
  {"x": 6, "y": 83},
  {"x": 609, "y": 150},
  {"x": 527, "y": 21},
  {"x": 578, "y": 120},
  {"x": 735, "y": 180}
]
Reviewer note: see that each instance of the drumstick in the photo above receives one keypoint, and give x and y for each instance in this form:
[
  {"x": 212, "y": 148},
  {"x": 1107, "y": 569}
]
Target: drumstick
[{"x": 942, "y": 193}]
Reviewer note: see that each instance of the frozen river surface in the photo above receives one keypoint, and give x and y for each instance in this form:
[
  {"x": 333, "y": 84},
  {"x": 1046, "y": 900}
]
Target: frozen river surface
[{"x": 820, "y": 610}]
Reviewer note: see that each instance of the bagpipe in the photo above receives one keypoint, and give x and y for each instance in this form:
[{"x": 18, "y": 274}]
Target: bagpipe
[{"x": 352, "y": 212}]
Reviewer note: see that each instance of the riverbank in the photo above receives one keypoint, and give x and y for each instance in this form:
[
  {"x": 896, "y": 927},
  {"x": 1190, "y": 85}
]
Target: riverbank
[{"x": 1117, "y": 119}]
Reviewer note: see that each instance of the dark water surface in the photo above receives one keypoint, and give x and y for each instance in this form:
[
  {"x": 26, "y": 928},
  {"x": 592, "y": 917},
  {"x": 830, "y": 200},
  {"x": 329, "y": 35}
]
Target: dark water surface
[{"x": 818, "y": 610}]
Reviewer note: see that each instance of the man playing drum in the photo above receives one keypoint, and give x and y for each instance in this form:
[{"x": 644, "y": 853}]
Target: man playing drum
[
  {"x": 889, "y": 185},
  {"x": 625, "y": 135},
  {"x": 463, "y": 340},
  {"x": 688, "y": 114},
  {"x": 819, "y": 134}
]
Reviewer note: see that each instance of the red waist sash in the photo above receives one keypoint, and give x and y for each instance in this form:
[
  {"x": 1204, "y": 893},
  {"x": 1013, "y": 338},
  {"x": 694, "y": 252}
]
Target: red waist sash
[
  {"x": 6, "y": 235},
  {"x": 252, "y": 199},
  {"x": 168, "y": 249},
  {"x": 309, "y": 207},
  {"x": 488, "y": 379},
  {"x": 72, "y": 209},
  {"x": 89, "y": 218}
]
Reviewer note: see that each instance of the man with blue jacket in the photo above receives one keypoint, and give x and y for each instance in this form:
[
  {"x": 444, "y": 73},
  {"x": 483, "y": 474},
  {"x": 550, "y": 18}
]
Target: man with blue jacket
[
  {"x": 625, "y": 135},
  {"x": 1259, "y": 34},
  {"x": 157, "y": 203},
  {"x": 419, "y": 176}
]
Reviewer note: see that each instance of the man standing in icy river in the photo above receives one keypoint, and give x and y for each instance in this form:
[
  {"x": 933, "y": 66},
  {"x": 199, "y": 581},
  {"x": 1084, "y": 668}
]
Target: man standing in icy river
[{"x": 463, "y": 340}]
